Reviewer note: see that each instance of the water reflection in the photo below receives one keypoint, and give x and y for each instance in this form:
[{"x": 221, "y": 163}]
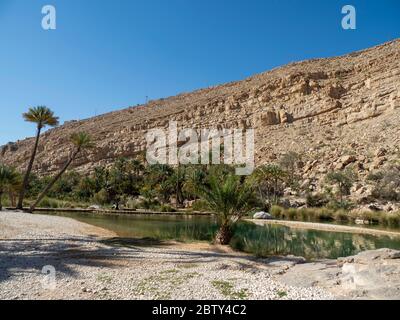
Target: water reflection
[{"x": 259, "y": 240}]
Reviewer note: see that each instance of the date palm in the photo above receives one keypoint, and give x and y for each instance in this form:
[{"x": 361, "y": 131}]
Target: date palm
[
  {"x": 43, "y": 117},
  {"x": 9, "y": 179},
  {"x": 81, "y": 141},
  {"x": 230, "y": 199}
]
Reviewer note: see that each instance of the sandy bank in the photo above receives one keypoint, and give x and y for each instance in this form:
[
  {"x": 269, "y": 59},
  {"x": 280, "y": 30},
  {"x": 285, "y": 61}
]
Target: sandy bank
[{"x": 326, "y": 227}]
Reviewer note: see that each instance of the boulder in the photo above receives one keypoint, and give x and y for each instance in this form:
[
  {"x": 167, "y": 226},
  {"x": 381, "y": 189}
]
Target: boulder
[
  {"x": 94, "y": 207},
  {"x": 346, "y": 160},
  {"x": 269, "y": 118},
  {"x": 262, "y": 216}
]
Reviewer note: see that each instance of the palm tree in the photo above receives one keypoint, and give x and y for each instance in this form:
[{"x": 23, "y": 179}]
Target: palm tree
[
  {"x": 230, "y": 199},
  {"x": 43, "y": 117},
  {"x": 194, "y": 178},
  {"x": 269, "y": 179},
  {"x": 9, "y": 179},
  {"x": 178, "y": 180},
  {"x": 80, "y": 141}
]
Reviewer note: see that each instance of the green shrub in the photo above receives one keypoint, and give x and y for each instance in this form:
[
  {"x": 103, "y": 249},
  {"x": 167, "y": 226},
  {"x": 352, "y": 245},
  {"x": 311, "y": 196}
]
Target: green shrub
[
  {"x": 393, "y": 219},
  {"x": 133, "y": 204},
  {"x": 340, "y": 205},
  {"x": 200, "y": 205},
  {"x": 341, "y": 215},
  {"x": 101, "y": 197},
  {"x": 166, "y": 208},
  {"x": 325, "y": 214},
  {"x": 291, "y": 213},
  {"x": 276, "y": 211},
  {"x": 316, "y": 201},
  {"x": 304, "y": 214},
  {"x": 49, "y": 203}
]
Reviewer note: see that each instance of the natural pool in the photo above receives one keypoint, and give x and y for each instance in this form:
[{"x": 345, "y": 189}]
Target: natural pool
[{"x": 258, "y": 240}]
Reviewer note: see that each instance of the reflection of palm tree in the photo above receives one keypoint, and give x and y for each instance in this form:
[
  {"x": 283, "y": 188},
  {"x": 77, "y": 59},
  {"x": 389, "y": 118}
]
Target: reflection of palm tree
[
  {"x": 42, "y": 116},
  {"x": 80, "y": 141}
]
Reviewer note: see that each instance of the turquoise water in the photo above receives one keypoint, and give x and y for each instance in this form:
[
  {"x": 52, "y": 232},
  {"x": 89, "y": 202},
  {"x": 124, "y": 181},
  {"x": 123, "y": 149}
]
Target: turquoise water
[{"x": 258, "y": 240}]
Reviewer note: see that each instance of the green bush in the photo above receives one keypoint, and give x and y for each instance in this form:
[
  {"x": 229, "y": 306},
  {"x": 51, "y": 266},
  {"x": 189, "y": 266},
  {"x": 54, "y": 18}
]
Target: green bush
[
  {"x": 166, "y": 208},
  {"x": 101, "y": 197},
  {"x": 292, "y": 213},
  {"x": 340, "y": 205},
  {"x": 341, "y": 215},
  {"x": 200, "y": 205},
  {"x": 325, "y": 214},
  {"x": 393, "y": 219},
  {"x": 276, "y": 211},
  {"x": 49, "y": 203},
  {"x": 316, "y": 201},
  {"x": 133, "y": 204}
]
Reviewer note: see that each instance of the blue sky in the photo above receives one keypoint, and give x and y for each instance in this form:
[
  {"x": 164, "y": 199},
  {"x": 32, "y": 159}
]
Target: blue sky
[{"x": 110, "y": 54}]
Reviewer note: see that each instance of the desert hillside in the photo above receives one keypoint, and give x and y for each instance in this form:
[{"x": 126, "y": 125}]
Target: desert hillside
[{"x": 334, "y": 112}]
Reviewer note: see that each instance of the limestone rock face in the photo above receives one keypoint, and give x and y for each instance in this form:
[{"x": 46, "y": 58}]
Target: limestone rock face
[{"x": 334, "y": 112}]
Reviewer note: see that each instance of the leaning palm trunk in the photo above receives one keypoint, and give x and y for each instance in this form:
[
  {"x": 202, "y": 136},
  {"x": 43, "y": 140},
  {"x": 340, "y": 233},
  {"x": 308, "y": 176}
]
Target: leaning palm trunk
[
  {"x": 28, "y": 171},
  {"x": 54, "y": 180}
]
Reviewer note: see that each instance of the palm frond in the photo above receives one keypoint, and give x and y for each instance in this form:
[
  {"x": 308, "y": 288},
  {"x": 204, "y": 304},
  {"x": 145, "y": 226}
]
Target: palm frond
[
  {"x": 42, "y": 116},
  {"x": 82, "y": 140}
]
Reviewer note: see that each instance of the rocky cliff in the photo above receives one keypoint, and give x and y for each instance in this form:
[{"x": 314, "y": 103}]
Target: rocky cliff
[{"x": 334, "y": 112}]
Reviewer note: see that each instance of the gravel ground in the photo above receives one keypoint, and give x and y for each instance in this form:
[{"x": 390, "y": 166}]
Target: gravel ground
[{"x": 91, "y": 263}]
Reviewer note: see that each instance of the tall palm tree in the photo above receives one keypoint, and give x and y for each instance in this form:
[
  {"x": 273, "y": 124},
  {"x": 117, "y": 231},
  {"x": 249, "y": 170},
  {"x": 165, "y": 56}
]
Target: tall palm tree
[
  {"x": 43, "y": 117},
  {"x": 230, "y": 199},
  {"x": 9, "y": 178},
  {"x": 81, "y": 141}
]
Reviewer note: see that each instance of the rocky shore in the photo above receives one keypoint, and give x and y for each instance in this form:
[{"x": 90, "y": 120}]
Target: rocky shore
[{"x": 49, "y": 257}]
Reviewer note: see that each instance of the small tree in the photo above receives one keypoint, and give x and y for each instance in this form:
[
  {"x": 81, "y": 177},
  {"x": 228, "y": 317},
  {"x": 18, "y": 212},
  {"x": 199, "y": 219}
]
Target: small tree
[
  {"x": 43, "y": 117},
  {"x": 9, "y": 181},
  {"x": 80, "y": 141},
  {"x": 269, "y": 180},
  {"x": 344, "y": 180},
  {"x": 230, "y": 199},
  {"x": 290, "y": 162}
]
